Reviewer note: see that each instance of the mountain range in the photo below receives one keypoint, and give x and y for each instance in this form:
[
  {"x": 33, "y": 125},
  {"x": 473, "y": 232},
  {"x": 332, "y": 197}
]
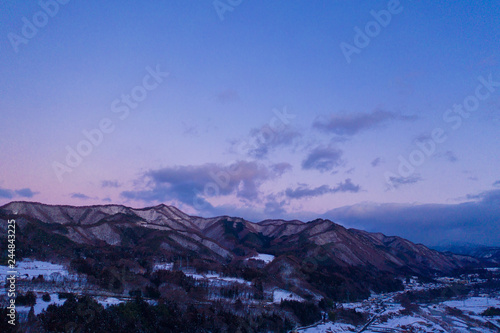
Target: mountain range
[{"x": 318, "y": 258}]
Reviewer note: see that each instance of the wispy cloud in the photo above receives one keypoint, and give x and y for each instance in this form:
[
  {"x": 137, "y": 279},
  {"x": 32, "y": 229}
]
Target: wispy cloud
[
  {"x": 274, "y": 206},
  {"x": 323, "y": 159},
  {"x": 399, "y": 181},
  {"x": 264, "y": 140},
  {"x": 423, "y": 137},
  {"x": 448, "y": 156},
  {"x": 350, "y": 124},
  {"x": 350, "y": 171},
  {"x": 110, "y": 183},
  {"x": 227, "y": 96},
  {"x": 497, "y": 183},
  {"x": 376, "y": 162},
  {"x": 281, "y": 168},
  {"x": 306, "y": 191}
]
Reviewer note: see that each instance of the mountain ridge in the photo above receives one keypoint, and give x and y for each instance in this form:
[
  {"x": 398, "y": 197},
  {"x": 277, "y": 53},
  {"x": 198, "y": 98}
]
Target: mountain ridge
[
  {"x": 351, "y": 246},
  {"x": 315, "y": 259}
]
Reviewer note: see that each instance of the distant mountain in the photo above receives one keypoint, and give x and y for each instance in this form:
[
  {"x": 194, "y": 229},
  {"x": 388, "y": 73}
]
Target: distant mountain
[
  {"x": 316, "y": 258},
  {"x": 489, "y": 254}
]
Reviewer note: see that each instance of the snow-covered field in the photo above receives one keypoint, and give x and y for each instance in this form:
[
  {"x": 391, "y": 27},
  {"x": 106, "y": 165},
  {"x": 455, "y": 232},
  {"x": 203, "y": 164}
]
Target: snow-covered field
[
  {"x": 328, "y": 327},
  {"x": 168, "y": 266},
  {"x": 417, "y": 323},
  {"x": 54, "y": 299},
  {"x": 280, "y": 294},
  {"x": 28, "y": 268},
  {"x": 493, "y": 269},
  {"x": 429, "y": 318},
  {"x": 267, "y": 258},
  {"x": 473, "y": 304},
  {"x": 41, "y": 304},
  {"x": 388, "y": 314},
  {"x": 106, "y": 301},
  {"x": 217, "y": 279},
  {"x": 213, "y": 278}
]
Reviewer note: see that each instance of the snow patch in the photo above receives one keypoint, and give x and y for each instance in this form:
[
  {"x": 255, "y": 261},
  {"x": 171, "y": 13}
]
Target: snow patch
[
  {"x": 107, "y": 301},
  {"x": 167, "y": 266},
  {"x": 217, "y": 279},
  {"x": 41, "y": 304},
  {"x": 267, "y": 258},
  {"x": 328, "y": 327},
  {"x": 473, "y": 304},
  {"x": 282, "y": 295},
  {"x": 29, "y": 268}
]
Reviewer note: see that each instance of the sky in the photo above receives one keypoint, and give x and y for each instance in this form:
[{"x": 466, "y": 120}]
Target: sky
[{"x": 378, "y": 115}]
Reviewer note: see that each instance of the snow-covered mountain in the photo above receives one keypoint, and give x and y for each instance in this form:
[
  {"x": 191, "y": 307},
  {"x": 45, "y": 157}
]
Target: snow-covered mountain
[{"x": 308, "y": 254}]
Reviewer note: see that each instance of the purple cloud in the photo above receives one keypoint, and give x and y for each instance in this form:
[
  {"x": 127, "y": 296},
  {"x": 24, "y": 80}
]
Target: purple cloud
[
  {"x": 399, "y": 181},
  {"x": 23, "y": 193},
  {"x": 449, "y": 156},
  {"x": 376, "y": 162},
  {"x": 193, "y": 184},
  {"x": 80, "y": 196},
  {"x": 323, "y": 159},
  {"x": 5, "y": 193},
  {"x": 227, "y": 96},
  {"x": 110, "y": 183},
  {"x": 350, "y": 124},
  {"x": 261, "y": 141},
  {"x": 305, "y": 191}
]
